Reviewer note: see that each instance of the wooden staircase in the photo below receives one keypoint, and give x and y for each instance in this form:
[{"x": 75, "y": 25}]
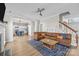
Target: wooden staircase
[{"x": 72, "y": 29}]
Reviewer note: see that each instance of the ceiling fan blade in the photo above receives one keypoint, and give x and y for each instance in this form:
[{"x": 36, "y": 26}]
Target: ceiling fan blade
[
  {"x": 42, "y": 9},
  {"x": 38, "y": 10},
  {"x": 40, "y": 14}
]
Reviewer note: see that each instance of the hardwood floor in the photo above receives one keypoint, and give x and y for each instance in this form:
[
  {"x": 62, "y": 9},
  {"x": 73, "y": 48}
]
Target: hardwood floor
[
  {"x": 21, "y": 47},
  {"x": 74, "y": 52}
]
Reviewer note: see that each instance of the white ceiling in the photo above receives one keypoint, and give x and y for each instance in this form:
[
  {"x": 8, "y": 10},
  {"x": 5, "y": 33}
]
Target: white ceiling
[{"x": 51, "y": 9}]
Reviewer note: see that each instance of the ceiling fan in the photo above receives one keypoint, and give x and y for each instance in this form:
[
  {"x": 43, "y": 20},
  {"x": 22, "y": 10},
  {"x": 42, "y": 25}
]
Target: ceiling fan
[{"x": 40, "y": 10}]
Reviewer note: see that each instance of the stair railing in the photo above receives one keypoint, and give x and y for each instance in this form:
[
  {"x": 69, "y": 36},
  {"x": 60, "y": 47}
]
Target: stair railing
[{"x": 75, "y": 31}]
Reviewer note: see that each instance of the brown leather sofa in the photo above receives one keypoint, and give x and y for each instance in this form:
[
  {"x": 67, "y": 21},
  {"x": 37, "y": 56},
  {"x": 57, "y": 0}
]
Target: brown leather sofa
[{"x": 62, "y": 38}]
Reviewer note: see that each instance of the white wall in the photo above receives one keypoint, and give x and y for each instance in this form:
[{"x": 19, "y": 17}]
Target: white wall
[
  {"x": 37, "y": 25},
  {"x": 9, "y": 31},
  {"x": 75, "y": 26},
  {"x": 2, "y": 33},
  {"x": 51, "y": 24},
  {"x": 31, "y": 30}
]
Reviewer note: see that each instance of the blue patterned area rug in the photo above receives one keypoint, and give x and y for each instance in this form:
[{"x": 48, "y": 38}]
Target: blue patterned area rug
[{"x": 60, "y": 50}]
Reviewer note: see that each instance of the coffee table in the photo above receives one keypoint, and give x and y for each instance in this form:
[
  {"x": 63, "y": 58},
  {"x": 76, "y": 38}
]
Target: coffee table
[{"x": 49, "y": 43}]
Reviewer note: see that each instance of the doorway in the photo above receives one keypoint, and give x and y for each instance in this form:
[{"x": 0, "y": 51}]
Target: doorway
[{"x": 20, "y": 30}]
